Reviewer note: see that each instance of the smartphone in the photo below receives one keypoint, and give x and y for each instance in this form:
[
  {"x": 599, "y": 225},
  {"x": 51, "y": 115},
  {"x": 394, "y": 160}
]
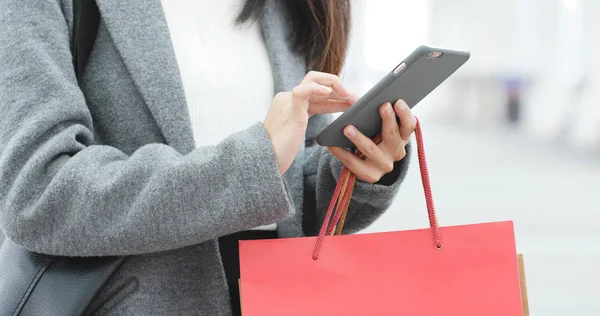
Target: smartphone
[{"x": 411, "y": 80}]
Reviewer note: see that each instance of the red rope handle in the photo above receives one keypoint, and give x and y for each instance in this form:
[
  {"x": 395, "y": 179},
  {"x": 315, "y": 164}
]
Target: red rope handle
[
  {"x": 345, "y": 200},
  {"x": 328, "y": 227},
  {"x": 334, "y": 198},
  {"x": 427, "y": 187}
]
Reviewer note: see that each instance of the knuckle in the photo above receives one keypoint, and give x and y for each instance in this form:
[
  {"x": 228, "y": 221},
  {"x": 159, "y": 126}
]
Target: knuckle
[
  {"x": 394, "y": 132},
  {"x": 372, "y": 178},
  {"x": 388, "y": 167},
  {"x": 413, "y": 124},
  {"x": 296, "y": 91},
  {"x": 369, "y": 148},
  {"x": 311, "y": 74},
  {"x": 400, "y": 153}
]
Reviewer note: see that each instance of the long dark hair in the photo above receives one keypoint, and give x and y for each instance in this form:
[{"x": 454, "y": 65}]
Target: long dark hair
[{"x": 320, "y": 29}]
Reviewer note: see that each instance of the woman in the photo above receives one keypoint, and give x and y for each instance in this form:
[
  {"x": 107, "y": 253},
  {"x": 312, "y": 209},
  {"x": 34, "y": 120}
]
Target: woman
[{"x": 173, "y": 147}]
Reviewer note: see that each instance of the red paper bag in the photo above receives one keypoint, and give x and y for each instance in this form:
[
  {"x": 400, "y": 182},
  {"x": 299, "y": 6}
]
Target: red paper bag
[{"x": 458, "y": 270}]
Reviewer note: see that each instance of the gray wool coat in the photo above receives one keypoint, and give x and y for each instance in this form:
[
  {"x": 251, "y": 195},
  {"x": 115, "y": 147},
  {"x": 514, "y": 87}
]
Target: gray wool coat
[{"x": 111, "y": 168}]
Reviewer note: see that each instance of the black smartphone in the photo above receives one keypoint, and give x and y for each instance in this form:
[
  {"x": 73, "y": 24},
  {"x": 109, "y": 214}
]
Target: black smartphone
[{"x": 411, "y": 80}]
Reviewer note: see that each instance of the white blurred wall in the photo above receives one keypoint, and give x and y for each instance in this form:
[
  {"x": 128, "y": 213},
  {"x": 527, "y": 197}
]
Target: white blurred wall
[
  {"x": 586, "y": 130},
  {"x": 550, "y": 45}
]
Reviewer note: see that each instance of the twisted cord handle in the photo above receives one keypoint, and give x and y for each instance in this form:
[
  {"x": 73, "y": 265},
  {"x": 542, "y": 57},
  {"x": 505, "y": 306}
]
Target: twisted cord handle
[{"x": 345, "y": 186}]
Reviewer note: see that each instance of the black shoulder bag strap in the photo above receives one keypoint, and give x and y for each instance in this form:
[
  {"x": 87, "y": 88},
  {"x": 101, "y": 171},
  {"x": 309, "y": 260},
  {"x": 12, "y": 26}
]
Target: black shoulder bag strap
[
  {"x": 86, "y": 18},
  {"x": 39, "y": 284}
]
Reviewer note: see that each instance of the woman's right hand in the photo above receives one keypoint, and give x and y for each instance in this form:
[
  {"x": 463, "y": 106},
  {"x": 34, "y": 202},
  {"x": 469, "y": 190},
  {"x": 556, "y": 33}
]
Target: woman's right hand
[{"x": 287, "y": 119}]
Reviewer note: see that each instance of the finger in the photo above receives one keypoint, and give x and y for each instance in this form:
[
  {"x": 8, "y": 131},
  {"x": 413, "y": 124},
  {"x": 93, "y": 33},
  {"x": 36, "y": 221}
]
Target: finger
[
  {"x": 306, "y": 90},
  {"x": 327, "y": 106},
  {"x": 352, "y": 98},
  {"x": 408, "y": 122},
  {"x": 349, "y": 100},
  {"x": 390, "y": 130},
  {"x": 302, "y": 93},
  {"x": 368, "y": 148},
  {"x": 363, "y": 170},
  {"x": 328, "y": 80}
]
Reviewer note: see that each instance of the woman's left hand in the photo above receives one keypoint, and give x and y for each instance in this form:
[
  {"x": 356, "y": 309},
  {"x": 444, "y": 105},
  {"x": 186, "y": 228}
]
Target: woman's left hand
[{"x": 380, "y": 157}]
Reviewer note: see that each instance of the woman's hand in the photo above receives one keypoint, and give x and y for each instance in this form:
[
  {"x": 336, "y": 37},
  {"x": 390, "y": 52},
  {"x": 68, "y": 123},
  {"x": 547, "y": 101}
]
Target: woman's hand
[
  {"x": 380, "y": 157},
  {"x": 287, "y": 119}
]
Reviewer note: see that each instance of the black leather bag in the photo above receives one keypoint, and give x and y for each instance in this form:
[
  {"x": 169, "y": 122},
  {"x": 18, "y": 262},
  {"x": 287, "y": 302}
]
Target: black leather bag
[{"x": 38, "y": 284}]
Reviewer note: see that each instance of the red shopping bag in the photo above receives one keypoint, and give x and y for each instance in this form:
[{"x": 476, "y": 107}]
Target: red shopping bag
[{"x": 457, "y": 270}]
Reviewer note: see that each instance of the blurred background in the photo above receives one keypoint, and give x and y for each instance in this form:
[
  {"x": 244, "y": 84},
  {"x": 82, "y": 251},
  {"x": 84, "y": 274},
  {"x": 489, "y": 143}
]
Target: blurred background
[{"x": 513, "y": 135}]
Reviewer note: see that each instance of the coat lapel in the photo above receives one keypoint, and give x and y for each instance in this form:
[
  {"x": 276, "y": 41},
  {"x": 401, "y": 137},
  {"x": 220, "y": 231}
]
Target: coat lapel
[
  {"x": 287, "y": 66},
  {"x": 141, "y": 35}
]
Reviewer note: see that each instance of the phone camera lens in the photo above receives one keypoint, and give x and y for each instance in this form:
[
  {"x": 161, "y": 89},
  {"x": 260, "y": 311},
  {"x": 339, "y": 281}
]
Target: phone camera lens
[{"x": 434, "y": 55}]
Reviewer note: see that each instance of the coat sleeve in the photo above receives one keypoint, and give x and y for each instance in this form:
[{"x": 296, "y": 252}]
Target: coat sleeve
[
  {"x": 63, "y": 194},
  {"x": 321, "y": 172}
]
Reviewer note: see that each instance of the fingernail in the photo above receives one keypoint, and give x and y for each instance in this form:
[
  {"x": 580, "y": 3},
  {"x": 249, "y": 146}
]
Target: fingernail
[
  {"x": 400, "y": 104},
  {"x": 327, "y": 89},
  {"x": 350, "y": 131},
  {"x": 388, "y": 108}
]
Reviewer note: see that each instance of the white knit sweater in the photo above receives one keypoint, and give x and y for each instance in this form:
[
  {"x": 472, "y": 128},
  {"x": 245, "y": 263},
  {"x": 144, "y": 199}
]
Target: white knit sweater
[{"x": 224, "y": 67}]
